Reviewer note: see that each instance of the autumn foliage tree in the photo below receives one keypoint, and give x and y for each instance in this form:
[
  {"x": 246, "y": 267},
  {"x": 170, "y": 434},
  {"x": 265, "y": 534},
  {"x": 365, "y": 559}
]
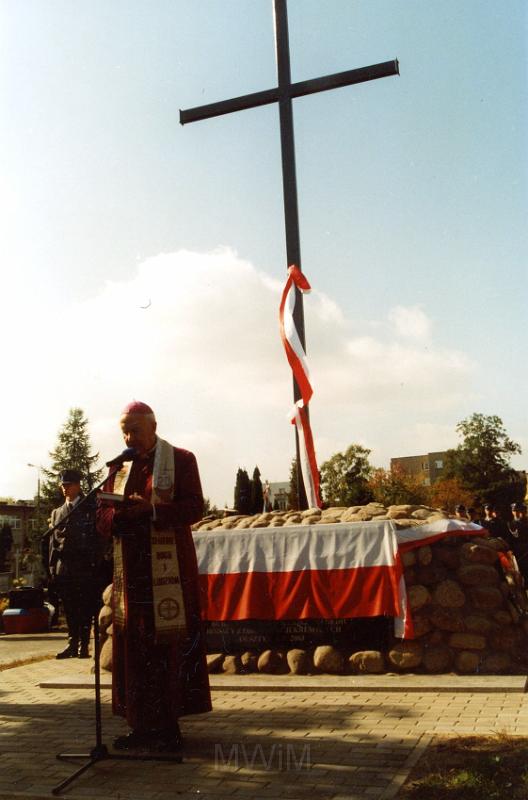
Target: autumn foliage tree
[
  {"x": 396, "y": 487},
  {"x": 447, "y": 493}
]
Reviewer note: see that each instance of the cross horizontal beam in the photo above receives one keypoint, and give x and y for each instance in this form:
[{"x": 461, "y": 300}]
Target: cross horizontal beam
[{"x": 300, "y": 89}]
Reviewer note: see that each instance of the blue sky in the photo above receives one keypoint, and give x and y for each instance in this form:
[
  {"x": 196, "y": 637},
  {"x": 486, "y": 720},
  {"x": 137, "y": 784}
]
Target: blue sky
[{"x": 412, "y": 200}]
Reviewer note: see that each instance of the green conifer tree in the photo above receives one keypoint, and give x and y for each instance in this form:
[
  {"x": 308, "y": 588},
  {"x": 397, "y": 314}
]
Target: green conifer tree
[
  {"x": 71, "y": 452},
  {"x": 242, "y": 500},
  {"x": 257, "y": 496}
]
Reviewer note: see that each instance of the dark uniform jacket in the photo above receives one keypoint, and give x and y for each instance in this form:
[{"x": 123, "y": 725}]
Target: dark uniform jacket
[
  {"x": 518, "y": 542},
  {"x": 74, "y": 546}
]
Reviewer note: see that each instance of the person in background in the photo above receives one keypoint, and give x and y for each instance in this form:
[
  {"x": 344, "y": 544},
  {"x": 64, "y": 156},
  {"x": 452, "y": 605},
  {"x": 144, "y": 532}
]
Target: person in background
[
  {"x": 494, "y": 523},
  {"x": 518, "y": 538},
  {"x": 474, "y": 516},
  {"x": 73, "y": 563}
]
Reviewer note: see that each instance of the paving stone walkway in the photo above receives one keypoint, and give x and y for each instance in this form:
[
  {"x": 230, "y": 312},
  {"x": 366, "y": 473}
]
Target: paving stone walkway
[{"x": 256, "y": 745}]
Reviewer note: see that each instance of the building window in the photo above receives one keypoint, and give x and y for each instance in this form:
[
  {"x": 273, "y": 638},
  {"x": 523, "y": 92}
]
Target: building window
[{"x": 439, "y": 464}]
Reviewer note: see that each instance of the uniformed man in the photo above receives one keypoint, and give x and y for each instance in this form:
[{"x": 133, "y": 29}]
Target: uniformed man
[
  {"x": 73, "y": 563},
  {"x": 518, "y": 538}
]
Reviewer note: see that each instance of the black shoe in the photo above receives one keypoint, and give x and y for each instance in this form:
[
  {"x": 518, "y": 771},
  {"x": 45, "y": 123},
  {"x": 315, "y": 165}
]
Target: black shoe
[
  {"x": 70, "y": 652},
  {"x": 83, "y": 651},
  {"x": 166, "y": 741},
  {"x": 131, "y": 741}
]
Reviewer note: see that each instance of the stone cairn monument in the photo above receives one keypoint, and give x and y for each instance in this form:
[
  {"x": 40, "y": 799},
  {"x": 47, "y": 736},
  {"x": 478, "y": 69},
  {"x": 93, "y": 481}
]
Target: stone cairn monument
[{"x": 468, "y": 617}]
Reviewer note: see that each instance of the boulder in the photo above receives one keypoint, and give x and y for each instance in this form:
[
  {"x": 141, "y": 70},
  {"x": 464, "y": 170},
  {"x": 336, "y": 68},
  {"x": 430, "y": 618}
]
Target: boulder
[
  {"x": 447, "y": 619},
  {"x": 479, "y": 554},
  {"x": 476, "y": 623},
  {"x": 437, "y": 659},
  {"x": 408, "y": 558},
  {"x": 467, "y": 641},
  {"x": 369, "y": 661},
  {"x": 448, "y": 556},
  {"x": 292, "y": 519},
  {"x": 448, "y": 594},
  {"x": 299, "y": 661},
  {"x": 249, "y": 662},
  {"x": 107, "y": 596},
  {"x": 329, "y": 659},
  {"x": 311, "y": 512},
  {"x": 431, "y": 574},
  {"x": 406, "y": 655},
  {"x": 231, "y": 665},
  {"x": 422, "y": 625},
  {"x": 313, "y": 520},
  {"x": 105, "y": 619},
  {"x": 434, "y": 638},
  {"x": 486, "y": 598},
  {"x": 506, "y": 638},
  {"x": 418, "y": 596},
  {"x": 243, "y": 524},
  {"x": 410, "y": 576},
  {"x": 105, "y": 655},
  {"x": 214, "y": 662},
  {"x": 467, "y": 662},
  {"x": 272, "y": 662},
  {"x": 406, "y": 523},
  {"x": 421, "y": 514},
  {"x": 478, "y": 574},
  {"x": 502, "y": 617},
  {"x": 400, "y": 511},
  {"x": 425, "y": 555},
  {"x": 496, "y": 663}
]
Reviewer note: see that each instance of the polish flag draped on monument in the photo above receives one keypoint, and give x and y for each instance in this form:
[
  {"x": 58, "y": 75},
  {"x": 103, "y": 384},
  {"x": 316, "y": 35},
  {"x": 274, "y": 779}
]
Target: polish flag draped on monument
[{"x": 297, "y": 360}]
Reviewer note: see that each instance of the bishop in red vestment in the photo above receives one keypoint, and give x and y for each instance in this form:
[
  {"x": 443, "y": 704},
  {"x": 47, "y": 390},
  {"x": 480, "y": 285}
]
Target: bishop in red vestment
[{"x": 159, "y": 672}]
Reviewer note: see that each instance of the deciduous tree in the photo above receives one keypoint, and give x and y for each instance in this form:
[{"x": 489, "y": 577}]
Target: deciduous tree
[
  {"x": 482, "y": 461},
  {"x": 345, "y": 477}
]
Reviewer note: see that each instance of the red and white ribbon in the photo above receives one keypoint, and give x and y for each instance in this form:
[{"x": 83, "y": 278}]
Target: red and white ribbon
[
  {"x": 309, "y": 469},
  {"x": 289, "y": 335},
  {"x": 297, "y": 359}
]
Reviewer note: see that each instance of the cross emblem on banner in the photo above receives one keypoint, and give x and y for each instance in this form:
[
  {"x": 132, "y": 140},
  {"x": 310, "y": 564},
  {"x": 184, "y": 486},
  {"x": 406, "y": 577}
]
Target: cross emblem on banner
[{"x": 283, "y": 94}]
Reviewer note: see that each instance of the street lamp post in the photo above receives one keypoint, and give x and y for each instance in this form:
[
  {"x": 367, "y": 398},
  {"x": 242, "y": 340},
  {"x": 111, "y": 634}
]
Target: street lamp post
[{"x": 38, "y": 468}]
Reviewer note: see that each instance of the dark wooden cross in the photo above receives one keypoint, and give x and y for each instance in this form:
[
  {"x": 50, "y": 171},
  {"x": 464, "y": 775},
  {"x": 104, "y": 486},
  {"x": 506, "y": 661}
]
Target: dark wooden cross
[{"x": 283, "y": 94}]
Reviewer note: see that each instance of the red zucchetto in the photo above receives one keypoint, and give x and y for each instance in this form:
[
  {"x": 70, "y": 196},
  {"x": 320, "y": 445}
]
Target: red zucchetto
[{"x": 137, "y": 407}]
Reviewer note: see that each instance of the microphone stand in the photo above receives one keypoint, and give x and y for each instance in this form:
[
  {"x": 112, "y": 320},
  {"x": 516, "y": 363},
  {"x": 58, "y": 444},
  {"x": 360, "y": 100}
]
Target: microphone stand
[{"x": 100, "y": 751}]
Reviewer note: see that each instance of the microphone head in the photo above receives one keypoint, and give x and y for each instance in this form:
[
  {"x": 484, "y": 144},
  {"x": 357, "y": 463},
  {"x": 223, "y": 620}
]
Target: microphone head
[{"x": 129, "y": 454}]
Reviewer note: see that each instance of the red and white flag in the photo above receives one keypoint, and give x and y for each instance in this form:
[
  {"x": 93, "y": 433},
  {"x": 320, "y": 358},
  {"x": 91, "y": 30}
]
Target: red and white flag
[
  {"x": 335, "y": 571},
  {"x": 297, "y": 360}
]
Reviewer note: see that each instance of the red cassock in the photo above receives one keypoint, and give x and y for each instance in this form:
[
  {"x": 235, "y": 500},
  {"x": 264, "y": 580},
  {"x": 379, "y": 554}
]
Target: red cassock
[{"x": 156, "y": 683}]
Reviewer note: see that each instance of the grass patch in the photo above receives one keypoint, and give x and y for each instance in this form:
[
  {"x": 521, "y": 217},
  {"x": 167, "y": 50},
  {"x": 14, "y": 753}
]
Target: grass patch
[{"x": 470, "y": 768}]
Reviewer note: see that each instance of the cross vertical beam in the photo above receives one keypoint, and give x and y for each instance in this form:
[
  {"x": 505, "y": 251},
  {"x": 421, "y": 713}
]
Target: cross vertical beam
[
  {"x": 289, "y": 191},
  {"x": 283, "y": 94}
]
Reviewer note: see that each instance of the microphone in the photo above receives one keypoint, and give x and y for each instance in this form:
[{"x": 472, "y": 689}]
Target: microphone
[{"x": 128, "y": 454}]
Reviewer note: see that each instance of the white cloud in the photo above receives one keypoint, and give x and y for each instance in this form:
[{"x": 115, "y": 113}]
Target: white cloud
[
  {"x": 410, "y": 322},
  {"x": 196, "y": 336}
]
